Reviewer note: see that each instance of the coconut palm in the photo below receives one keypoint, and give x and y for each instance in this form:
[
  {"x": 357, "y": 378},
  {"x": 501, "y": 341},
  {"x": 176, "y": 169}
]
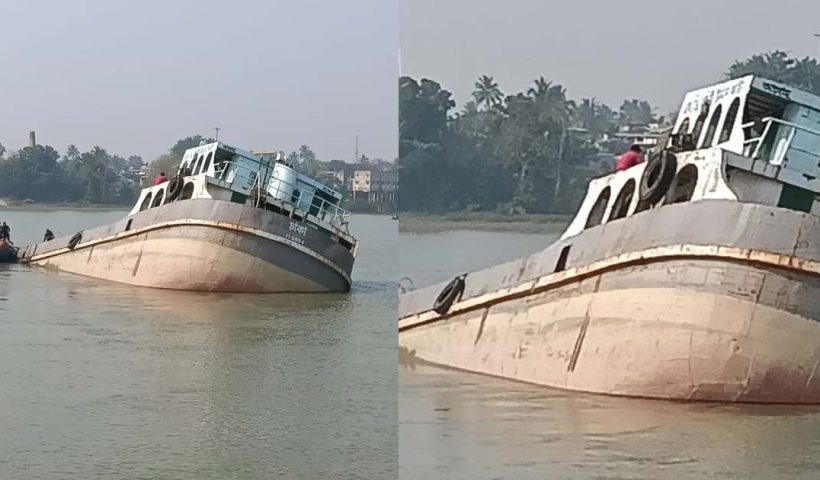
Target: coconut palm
[
  {"x": 556, "y": 113},
  {"x": 487, "y": 93}
]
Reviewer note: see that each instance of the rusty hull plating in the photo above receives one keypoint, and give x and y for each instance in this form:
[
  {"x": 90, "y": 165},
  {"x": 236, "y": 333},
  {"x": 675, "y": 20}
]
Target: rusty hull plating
[{"x": 711, "y": 293}]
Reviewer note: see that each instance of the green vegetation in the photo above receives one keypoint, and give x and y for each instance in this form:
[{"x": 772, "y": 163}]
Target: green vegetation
[
  {"x": 532, "y": 151},
  {"x": 40, "y": 174},
  {"x": 416, "y": 222}
]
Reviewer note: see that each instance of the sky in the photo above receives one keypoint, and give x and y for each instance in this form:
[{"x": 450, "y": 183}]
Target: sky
[
  {"x": 610, "y": 50},
  {"x": 134, "y": 77}
]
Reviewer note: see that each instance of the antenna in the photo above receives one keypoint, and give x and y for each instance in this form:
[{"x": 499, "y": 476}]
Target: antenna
[{"x": 216, "y": 129}]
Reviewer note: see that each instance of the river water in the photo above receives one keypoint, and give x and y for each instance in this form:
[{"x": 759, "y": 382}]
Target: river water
[
  {"x": 101, "y": 380},
  {"x": 457, "y": 425}
]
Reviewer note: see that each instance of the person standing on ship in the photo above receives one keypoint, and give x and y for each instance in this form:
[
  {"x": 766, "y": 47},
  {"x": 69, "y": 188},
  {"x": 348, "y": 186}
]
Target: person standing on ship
[
  {"x": 5, "y": 232},
  {"x": 629, "y": 159},
  {"x": 161, "y": 178}
]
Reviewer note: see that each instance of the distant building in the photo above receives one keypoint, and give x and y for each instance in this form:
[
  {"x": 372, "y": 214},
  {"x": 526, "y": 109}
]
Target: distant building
[
  {"x": 639, "y": 134},
  {"x": 378, "y": 187},
  {"x": 339, "y": 175}
]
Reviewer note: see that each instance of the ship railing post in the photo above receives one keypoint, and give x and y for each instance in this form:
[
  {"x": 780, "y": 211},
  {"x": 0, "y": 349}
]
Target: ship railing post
[{"x": 756, "y": 153}]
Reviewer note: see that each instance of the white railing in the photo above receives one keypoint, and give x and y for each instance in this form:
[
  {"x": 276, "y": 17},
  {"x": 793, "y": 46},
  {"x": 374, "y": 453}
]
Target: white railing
[
  {"x": 327, "y": 212},
  {"x": 753, "y": 146}
]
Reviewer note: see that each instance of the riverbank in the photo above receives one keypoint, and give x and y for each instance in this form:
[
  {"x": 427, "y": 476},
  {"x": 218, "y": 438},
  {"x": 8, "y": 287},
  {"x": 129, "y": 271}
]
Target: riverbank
[
  {"x": 415, "y": 222},
  {"x": 8, "y": 204}
]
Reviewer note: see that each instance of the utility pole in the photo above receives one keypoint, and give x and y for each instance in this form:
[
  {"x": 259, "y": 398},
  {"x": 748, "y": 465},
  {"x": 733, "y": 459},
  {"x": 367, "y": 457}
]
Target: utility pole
[
  {"x": 216, "y": 129},
  {"x": 356, "y": 151},
  {"x": 817, "y": 36}
]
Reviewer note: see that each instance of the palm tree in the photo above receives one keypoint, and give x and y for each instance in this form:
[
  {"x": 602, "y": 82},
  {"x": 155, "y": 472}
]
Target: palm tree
[
  {"x": 307, "y": 155},
  {"x": 487, "y": 92},
  {"x": 636, "y": 112},
  {"x": 556, "y": 112}
]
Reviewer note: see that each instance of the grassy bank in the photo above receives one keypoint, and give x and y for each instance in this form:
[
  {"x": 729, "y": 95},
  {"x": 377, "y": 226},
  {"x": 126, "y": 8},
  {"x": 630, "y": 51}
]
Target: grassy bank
[{"x": 415, "y": 222}]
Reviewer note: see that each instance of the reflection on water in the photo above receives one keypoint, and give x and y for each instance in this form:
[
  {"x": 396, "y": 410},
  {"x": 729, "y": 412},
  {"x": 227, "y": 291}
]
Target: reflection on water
[
  {"x": 457, "y": 425},
  {"x": 102, "y": 379}
]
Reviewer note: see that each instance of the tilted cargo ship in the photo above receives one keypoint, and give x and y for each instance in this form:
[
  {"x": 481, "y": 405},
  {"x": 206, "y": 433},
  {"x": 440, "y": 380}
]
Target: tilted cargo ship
[
  {"x": 229, "y": 221},
  {"x": 692, "y": 276}
]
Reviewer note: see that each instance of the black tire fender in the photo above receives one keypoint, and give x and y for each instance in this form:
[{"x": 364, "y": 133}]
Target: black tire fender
[
  {"x": 75, "y": 240},
  {"x": 452, "y": 292},
  {"x": 174, "y": 188},
  {"x": 657, "y": 177}
]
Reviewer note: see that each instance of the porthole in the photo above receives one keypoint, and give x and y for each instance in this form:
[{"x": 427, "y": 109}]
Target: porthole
[
  {"x": 158, "y": 198},
  {"x": 146, "y": 202},
  {"x": 620, "y": 208},
  {"x": 207, "y": 162},
  {"x": 683, "y": 187},
  {"x": 701, "y": 120},
  {"x": 198, "y": 165},
  {"x": 710, "y": 132},
  {"x": 596, "y": 214},
  {"x": 729, "y": 122},
  {"x": 187, "y": 191}
]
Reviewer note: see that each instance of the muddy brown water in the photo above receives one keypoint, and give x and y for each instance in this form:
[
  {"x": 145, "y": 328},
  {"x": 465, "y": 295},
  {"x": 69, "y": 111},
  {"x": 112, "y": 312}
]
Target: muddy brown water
[
  {"x": 458, "y": 425},
  {"x": 101, "y": 380}
]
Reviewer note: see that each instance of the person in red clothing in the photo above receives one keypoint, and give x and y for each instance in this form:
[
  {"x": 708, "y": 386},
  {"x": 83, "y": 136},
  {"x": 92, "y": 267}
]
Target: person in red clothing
[
  {"x": 629, "y": 159},
  {"x": 160, "y": 178}
]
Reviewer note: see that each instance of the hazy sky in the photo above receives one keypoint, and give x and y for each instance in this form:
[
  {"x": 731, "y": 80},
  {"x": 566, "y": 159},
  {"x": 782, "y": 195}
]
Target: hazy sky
[
  {"x": 649, "y": 49},
  {"x": 136, "y": 76}
]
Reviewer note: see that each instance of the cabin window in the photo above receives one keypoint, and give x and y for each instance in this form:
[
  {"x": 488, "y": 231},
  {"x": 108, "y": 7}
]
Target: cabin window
[
  {"x": 187, "y": 191},
  {"x": 683, "y": 188},
  {"x": 596, "y": 215},
  {"x": 684, "y": 126},
  {"x": 207, "y": 162},
  {"x": 710, "y": 131},
  {"x": 146, "y": 202},
  {"x": 729, "y": 122},
  {"x": 158, "y": 198},
  {"x": 701, "y": 120},
  {"x": 198, "y": 165},
  {"x": 622, "y": 202}
]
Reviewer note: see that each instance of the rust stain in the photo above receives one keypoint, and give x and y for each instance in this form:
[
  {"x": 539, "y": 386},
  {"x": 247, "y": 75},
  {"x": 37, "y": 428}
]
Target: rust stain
[
  {"x": 582, "y": 333},
  {"x": 551, "y": 281},
  {"x": 481, "y": 326},
  {"x": 137, "y": 264}
]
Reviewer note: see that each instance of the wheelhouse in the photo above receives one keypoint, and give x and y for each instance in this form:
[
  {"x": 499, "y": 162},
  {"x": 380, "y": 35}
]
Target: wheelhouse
[{"x": 222, "y": 172}]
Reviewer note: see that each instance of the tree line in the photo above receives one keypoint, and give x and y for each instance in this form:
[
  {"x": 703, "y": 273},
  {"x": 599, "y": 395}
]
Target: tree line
[
  {"x": 42, "y": 174},
  {"x": 532, "y": 151}
]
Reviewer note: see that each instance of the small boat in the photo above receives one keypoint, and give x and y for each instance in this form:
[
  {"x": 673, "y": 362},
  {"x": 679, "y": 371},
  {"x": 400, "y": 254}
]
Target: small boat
[
  {"x": 692, "y": 276},
  {"x": 8, "y": 252},
  {"x": 228, "y": 221}
]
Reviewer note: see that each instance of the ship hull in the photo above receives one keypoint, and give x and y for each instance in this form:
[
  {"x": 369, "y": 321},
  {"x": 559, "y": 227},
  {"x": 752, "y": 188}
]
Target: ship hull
[
  {"x": 7, "y": 253},
  {"x": 204, "y": 245},
  {"x": 703, "y": 321}
]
